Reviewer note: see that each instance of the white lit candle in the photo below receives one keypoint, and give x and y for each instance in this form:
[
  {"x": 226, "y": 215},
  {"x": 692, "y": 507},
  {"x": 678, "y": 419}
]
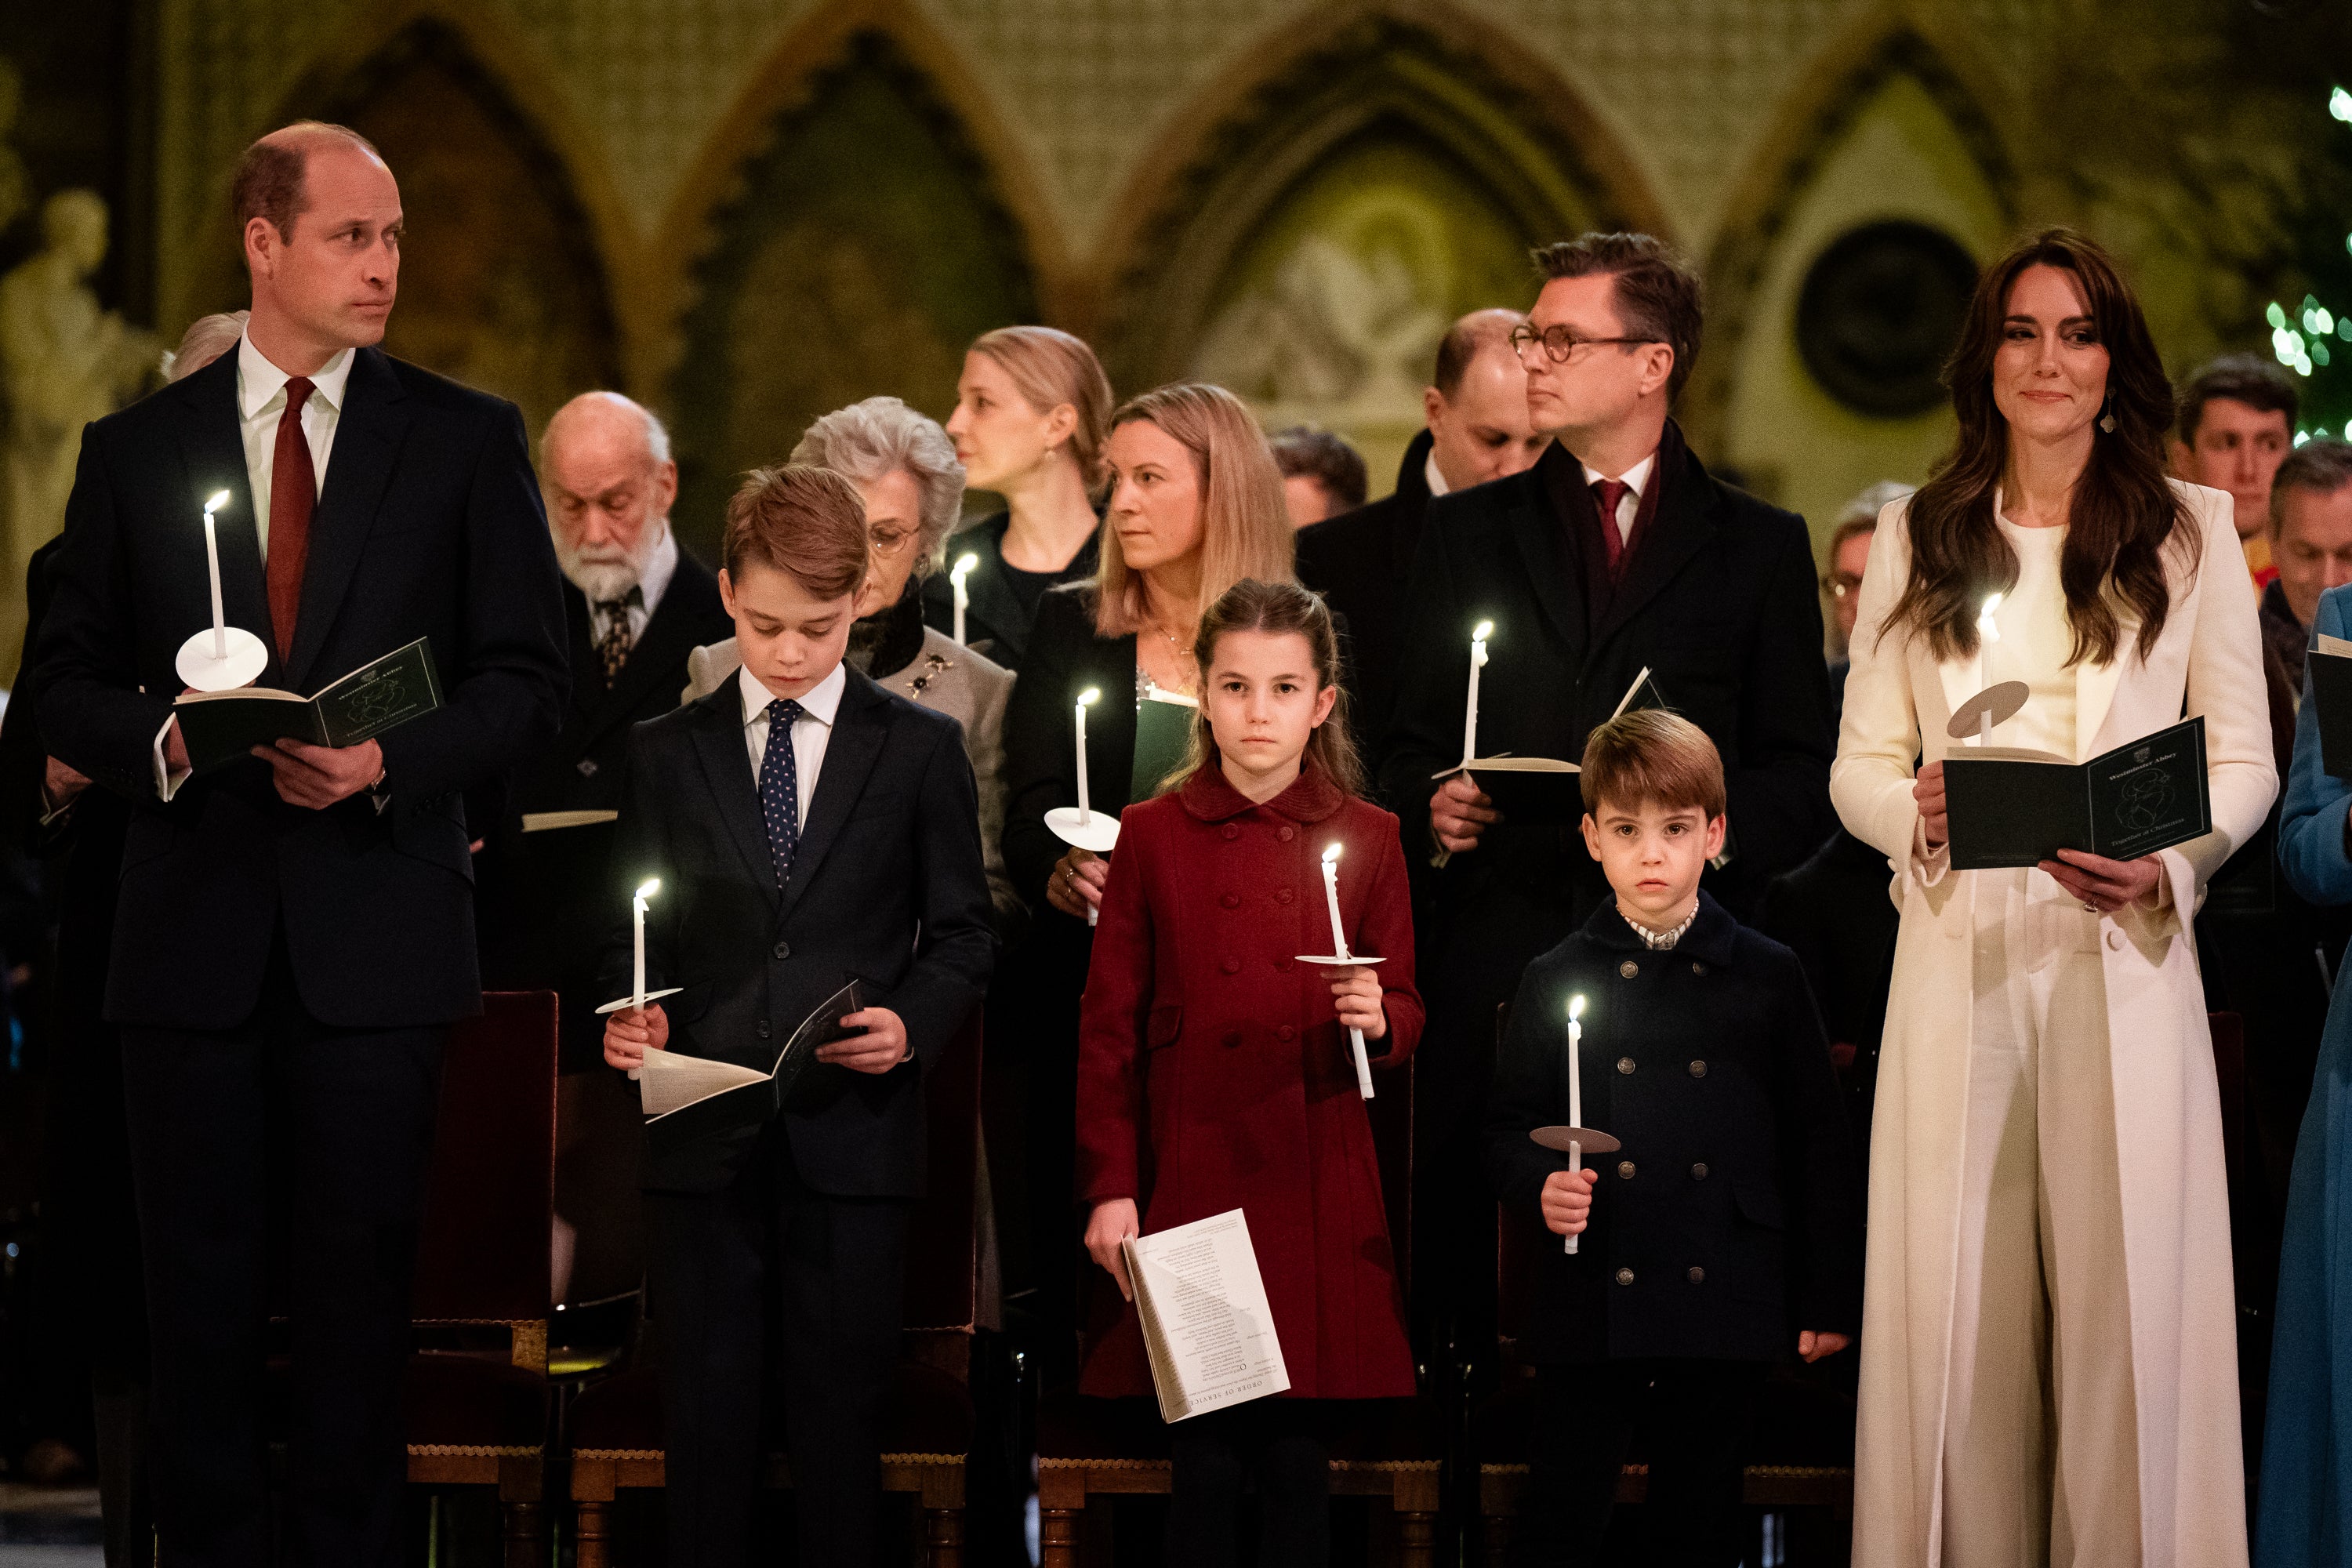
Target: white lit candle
[
  {"x": 645, "y": 890},
  {"x": 1339, "y": 951},
  {"x": 1989, "y": 630},
  {"x": 1470, "y": 717},
  {"x": 963, "y": 568},
  {"x": 218, "y": 500},
  {"x": 1089, "y": 696},
  {"x": 1575, "y": 1089}
]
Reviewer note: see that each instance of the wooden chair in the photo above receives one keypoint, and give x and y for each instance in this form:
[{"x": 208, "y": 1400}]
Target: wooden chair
[
  {"x": 616, "y": 1425},
  {"x": 1090, "y": 1447},
  {"x": 477, "y": 1419},
  {"x": 1804, "y": 1430}
]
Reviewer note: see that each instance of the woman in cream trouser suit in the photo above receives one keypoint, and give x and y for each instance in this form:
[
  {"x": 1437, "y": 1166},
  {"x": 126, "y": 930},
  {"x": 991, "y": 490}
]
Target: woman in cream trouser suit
[{"x": 2049, "y": 1368}]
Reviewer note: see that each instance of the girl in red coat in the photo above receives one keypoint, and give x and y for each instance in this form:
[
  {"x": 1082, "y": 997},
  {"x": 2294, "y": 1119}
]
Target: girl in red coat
[{"x": 1215, "y": 1071}]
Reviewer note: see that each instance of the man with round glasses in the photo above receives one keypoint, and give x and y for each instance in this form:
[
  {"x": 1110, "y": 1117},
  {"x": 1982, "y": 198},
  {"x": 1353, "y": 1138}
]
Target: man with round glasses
[{"x": 1616, "y": 552}]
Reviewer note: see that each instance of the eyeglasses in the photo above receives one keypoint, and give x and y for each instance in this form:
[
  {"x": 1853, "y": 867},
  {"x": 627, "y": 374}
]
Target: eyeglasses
[
  {"x": 1838, "y": 585},
  {"x": 889, "y": 542},
  {"x": 1560, "y": 344}
]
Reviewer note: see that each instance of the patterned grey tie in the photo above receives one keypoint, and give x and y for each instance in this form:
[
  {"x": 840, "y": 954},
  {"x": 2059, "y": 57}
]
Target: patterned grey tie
[{"x": 780, "y": 786}]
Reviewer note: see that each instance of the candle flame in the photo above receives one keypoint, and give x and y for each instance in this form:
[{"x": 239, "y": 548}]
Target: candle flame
[
  {"x": 964, "y": 564},
  {"x": 1576, "y": 1007},
  {"x": 1985, "y": 624},
  {"x": 217, "y": 500},
  {"x": 1089, "y": 696},
  {"x": 1481, "y": 631},
  {"x": 1331, "y": 854},
  {"x": 649, "y": 887}
]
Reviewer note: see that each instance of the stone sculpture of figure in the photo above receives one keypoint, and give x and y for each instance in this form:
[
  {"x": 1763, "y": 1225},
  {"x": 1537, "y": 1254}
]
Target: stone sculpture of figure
[{"x": 64, "y": 361}]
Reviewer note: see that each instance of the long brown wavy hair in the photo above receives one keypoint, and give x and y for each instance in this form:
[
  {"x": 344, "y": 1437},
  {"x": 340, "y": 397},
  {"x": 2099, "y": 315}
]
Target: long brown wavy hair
[
  {"x": 1253, "y": 606},
  {"x": 2122, "y": 514}
]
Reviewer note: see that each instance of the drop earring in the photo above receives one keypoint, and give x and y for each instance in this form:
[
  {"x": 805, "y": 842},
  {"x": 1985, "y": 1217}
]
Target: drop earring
[{"x": 2108, "y": 419}]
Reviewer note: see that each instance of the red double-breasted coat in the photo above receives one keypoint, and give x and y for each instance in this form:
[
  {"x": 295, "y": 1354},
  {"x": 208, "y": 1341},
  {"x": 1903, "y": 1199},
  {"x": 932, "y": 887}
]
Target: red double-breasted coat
[{"x": 1214, "y": 1074}]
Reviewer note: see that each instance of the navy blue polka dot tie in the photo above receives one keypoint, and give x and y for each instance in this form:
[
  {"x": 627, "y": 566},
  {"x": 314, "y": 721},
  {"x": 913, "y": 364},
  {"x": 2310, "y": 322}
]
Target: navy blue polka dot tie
[{"x": 780, "y": 786}]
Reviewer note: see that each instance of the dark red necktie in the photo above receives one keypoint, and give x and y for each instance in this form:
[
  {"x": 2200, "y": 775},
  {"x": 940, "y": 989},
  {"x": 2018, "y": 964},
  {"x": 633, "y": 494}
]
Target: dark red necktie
[
  {"x": 1607, "y": 492},
  {"x": 293, "y": 492}
]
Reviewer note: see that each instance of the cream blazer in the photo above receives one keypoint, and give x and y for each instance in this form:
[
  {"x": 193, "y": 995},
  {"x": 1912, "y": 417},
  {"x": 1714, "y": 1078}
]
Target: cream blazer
[{"x": 2168, "y": 1119}]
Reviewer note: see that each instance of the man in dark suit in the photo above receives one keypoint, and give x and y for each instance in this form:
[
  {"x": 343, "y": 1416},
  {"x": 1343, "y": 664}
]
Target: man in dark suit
[
  {"x": 1616, "y": 552},
  {"x": 295, "y": 932},
  {"x": 1361, "y": 561},
  {"x": 635, "y": 604},
  {"x": 806, "y": 828}
]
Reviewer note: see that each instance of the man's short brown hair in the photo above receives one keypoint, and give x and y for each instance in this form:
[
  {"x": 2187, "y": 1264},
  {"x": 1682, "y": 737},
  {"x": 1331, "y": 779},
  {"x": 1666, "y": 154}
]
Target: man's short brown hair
[
  {"x": 1651, "y": 757},
  {"x": 2242, "y": 378},
  {"x": 268, "y": 182},
  {"x": 1325, "y": 457},
  {"x": 803, "y": 520},
  {"x": 2315, "y": 467},
  {"x": 1658, "y": 294}
]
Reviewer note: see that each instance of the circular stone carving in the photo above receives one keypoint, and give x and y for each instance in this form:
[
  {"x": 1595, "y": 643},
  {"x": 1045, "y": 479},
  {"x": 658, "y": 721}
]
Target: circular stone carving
[{"x": 1879, "y": 312}]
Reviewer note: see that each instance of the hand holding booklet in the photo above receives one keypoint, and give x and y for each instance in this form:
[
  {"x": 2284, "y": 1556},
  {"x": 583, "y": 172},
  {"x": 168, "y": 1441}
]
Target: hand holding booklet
[
  {"x": 2013, "y": 806},
  {"x": 702, "y": 1114},
  {"x": 219, "y": 727},
  {"x": 1207, "y": 1328}
]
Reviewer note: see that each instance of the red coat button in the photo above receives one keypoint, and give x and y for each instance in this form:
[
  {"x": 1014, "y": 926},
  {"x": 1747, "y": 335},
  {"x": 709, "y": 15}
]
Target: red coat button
[
  {"x": 1288, "y": 834},
  {"x": 1230, "y": 966},
  {"x": 1231, "y": 900},
  {"x": 1283, "y": 897},
  {"x": 1285, "y": 1033},
  {"x": 1232, "y": 833}
]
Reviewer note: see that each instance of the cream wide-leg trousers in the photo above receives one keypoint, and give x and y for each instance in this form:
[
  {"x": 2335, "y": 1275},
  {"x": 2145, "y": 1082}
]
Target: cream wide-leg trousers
[{"x": 2040, "y": 1456}]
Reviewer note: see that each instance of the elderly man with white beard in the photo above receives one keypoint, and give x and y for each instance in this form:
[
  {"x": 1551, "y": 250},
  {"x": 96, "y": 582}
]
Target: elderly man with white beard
[{"x": 635, "y": 604}]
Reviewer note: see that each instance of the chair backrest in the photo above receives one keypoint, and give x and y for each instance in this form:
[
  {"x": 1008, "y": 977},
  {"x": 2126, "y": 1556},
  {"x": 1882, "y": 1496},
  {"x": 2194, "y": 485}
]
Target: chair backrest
[
  {"x": 491, "y": 1191},
  {"x": 942, "y": 1289}
]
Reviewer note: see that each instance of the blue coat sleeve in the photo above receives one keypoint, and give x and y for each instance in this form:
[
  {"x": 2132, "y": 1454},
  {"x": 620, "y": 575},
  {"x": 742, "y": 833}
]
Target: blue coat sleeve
[{"x": 2311, "y": 819}]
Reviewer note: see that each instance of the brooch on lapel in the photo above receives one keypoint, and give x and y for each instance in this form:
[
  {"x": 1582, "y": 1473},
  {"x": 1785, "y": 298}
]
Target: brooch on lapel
[{"x": 931, "y": 667}]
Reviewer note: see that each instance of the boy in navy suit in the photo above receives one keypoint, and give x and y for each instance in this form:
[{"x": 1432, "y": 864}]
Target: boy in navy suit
[
  {"x": 808, "y": 828},
  {"x": 1725, "y": 1234}
]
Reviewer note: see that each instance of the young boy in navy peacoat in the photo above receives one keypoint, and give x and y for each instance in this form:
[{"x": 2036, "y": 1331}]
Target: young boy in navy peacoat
[{"x": 1725, "y": 1232}]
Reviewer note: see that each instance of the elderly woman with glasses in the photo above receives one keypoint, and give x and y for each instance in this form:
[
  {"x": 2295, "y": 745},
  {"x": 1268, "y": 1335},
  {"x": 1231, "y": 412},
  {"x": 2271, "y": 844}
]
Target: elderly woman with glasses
[{"x": 906, "y": 467}]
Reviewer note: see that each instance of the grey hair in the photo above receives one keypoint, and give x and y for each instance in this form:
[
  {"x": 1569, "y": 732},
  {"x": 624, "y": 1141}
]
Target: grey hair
[
  {"x": 867, "y": 440},
  {"x": 1867, "y": 506},
  {"x": 207, "y": 338},
  {"x": 656, "y": 433},
  {"x": 2317, "y": 468}
]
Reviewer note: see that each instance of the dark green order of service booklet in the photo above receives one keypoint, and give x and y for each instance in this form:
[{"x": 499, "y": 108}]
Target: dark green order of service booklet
[
  {"x": 2016, "y": 807},
  {"x": 221, "y": 726}
]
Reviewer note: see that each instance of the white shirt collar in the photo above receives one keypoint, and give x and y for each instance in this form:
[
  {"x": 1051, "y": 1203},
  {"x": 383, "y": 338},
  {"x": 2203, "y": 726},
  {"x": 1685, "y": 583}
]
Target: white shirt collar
[
  {"x": 1429, "y": 471},
  {"x": 1634, "y": 478},
  {"x": 660, "y": 567},
  {"x": 823, "y": 701},
  {"x": 259, "y": 380}
]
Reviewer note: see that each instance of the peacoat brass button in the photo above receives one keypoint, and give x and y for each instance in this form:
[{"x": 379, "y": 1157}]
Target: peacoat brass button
[
  {"x": 1697, "y": 967},
  {"x": 1624, "y": 1277},
  {"x": 1232, "y": 833},
  {"x": 1625, "y": 1064},
  {"x": 1698, "y": 1070},
  {"x": 1231, "y": 900},
  {"x": 587, "y": 766},
  {"x": 1698, "y": 1276},
  {"x": 1288, "y": 834},
  {"x": 1699, "y": 1172},
  {"x": 1285, "y": 1033},
  {"x": 1232, "y": 1038},
  {"x": 1629, "y": 969},
  {"x": 784, "y": 950},
  {"x": 1231, "y": 965},
  {"x": 1625, "y": 1170}
]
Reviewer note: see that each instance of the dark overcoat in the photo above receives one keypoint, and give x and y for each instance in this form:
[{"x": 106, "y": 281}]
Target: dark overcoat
[
  {"x": 1731, "y": 1219},
  {"x": 1361, "y": 562},
  {"x": 1212, "y": 1073}
]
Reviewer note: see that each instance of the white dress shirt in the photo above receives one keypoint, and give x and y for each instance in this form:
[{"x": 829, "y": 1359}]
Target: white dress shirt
[
  {"x": 660, "y": 567},
  {"x": 1435, "y": 481},
  {"x": 261, "y": 402},
  {"x": 1629, "y": 505},
  {"x": 811, "y": 731}
]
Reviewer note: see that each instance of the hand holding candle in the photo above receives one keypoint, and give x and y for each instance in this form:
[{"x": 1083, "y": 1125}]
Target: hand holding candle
[
  {"x": 1339, "y": 951},
  {"x": 963, "y": 568}
]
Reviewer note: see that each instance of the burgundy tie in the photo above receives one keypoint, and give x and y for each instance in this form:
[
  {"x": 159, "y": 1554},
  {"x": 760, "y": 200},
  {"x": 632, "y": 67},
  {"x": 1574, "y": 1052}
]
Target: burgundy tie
[
  {"x": 1608, "y": 493},
  {"x": 293, "y": 492}
]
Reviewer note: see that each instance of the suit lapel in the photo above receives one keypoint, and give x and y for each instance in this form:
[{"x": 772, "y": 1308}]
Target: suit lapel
[
  {"x": 368, "y": 434},
  {"x": 213, "y": 447},
  {"x": 2095, "y": 690},
  {"x": 1685, "y": 525},
  {"x": 727, "y": 768},
  {"x": 860, "y": 725}
]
